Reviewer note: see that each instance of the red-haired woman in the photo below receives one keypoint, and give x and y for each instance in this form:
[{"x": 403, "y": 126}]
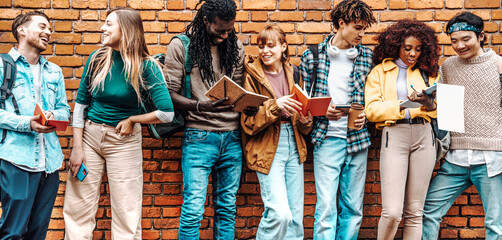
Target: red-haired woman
[
  {"x": 407, "y": 57},
  {"x": 273, "y": 144}
]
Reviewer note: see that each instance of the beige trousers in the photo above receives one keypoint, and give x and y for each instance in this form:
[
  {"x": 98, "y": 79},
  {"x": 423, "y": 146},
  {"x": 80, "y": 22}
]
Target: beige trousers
[
  {"x": 123, "y": 160},
  {"x": 407, "y": 159}
]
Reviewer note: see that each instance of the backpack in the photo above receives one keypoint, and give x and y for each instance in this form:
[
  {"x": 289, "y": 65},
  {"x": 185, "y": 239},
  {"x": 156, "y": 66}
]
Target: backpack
[
  {"x": 9, "y": 76},
  {"x": 313, "y": 78},
  {"x": 441, "y": 137},
  {"x": 296, "y": 74},
  {"x": 164, "y": 130}
]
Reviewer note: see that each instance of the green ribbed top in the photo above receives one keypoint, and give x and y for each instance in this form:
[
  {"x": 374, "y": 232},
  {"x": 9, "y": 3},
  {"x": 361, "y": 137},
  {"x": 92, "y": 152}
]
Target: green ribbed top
[{"x": 117, "y": 100}]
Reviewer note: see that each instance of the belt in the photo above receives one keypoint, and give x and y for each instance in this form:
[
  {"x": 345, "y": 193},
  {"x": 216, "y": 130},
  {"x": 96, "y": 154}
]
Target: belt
[{"x": 411, "y": 121}]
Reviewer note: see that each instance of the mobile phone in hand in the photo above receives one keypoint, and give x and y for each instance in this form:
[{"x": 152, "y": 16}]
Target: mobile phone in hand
[
  {"x": 82, "y": 172},
  {"x": 343, "y": 107}
]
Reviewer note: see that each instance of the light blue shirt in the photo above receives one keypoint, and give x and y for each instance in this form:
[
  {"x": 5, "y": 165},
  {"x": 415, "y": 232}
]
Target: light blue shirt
[
  {"x": 468, "y": 157},
  {"x": 21, "y": 145}
]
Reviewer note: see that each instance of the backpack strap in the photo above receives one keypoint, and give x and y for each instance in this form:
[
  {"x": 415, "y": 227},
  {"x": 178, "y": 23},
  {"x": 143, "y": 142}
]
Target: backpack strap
[
  {"x": 160, "y": 57},
  {"x": 313, "y": 78},
  {"x": 185, "y": 40},
  {"x": 9, "y": 76},
  {"x": 296, "y": 74}
]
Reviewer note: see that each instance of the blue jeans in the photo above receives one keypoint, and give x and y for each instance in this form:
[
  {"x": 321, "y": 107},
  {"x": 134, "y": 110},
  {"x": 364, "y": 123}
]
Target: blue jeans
[
  {"x": 204, "y": 152},
  {"x": 449, "y": 183},
  {"x": 282, "y": 192},
  {"x": 27, "y": 200},
  {"x": 333, "y": 168}
]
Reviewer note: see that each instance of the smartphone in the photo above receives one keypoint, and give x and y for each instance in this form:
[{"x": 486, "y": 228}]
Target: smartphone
[
  {"x": 343, "y": 107},
  {"x": 82, "y": 172}
]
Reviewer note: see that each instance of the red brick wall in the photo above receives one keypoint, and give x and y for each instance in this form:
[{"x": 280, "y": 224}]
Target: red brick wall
[{"x": 76, "y": 25}]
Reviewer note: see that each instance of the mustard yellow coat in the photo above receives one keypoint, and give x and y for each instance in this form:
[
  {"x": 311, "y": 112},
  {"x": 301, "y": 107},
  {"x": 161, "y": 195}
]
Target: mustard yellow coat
[{"x": 382, "y": 105}]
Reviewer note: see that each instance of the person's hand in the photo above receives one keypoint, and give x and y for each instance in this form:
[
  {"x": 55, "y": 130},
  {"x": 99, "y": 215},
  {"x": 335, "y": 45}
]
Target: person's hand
[
  {"x": 39, "y": 128},
  {"x": 426, "y": 100},
  {"x": 215, "y": 106},
  {"x": 125, "y": 128},
  {"x": 250, "y": 111},
  {"x": 288, "y": 105},
  {"x": 359, "y": 122},
  {"x": 49, "y": 115},
  {"x": 333, "y": 113},
  {"x": 306, "y": 119},
  {"x": 76, "y": 159}
]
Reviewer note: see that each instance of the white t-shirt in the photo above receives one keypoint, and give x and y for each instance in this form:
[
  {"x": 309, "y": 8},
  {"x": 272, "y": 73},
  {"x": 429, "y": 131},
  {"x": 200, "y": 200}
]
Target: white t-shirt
[
  {"x": 338, "y": 84},
  {"x": 37, "y": 82}
]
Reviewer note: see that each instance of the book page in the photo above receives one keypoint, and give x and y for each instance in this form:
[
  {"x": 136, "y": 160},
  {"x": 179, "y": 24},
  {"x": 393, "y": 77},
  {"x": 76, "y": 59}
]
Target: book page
[
  {"x": 450, "y": 101},
  {"x": 237, "y": 96},
  {"x": 300, "y": 96}
]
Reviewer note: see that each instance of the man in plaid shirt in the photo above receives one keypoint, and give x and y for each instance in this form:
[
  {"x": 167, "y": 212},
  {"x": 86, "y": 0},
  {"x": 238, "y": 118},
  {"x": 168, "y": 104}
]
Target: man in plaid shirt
[{"x": 340, "y": 153}]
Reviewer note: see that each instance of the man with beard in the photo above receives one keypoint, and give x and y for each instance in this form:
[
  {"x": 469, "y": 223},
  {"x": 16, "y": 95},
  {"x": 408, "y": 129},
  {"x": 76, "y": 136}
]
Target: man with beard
[
  {"x": 30, "y": 153},
  {"x": 211, "y": 142}
]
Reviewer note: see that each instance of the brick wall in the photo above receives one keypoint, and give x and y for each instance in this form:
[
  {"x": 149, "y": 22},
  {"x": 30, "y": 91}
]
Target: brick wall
[{"x": 76, "y": 34}]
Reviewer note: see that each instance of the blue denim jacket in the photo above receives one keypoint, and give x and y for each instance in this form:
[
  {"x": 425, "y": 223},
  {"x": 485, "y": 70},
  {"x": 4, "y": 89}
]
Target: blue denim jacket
[{"x": 21, "y": 143}]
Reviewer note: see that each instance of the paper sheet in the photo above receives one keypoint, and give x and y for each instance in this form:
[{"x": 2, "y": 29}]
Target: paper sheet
[{"x": 450, "y": 101}]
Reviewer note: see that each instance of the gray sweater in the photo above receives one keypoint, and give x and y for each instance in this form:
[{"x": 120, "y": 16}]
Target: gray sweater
[{"x": 211, "y": 121}]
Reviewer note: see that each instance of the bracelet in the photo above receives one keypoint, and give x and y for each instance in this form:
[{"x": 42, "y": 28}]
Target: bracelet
[{"x": 197, "y": 106}]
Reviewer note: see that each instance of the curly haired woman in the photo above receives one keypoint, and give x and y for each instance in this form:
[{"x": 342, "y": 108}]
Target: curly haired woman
[{"x": 405, "y": 54}]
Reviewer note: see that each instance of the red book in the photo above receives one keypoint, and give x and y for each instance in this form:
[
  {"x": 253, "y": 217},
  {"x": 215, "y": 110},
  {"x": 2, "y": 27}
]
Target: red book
[
  {"x": 60, "y": 125},
  {"x": 318, "y": 106}
]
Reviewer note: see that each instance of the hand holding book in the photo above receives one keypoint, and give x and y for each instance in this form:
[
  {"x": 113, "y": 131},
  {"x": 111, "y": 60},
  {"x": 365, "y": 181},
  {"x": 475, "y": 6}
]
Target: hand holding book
[
  {"x": 289, "y": 105},
  {"x": 47, "y": 120},
  {"x": 214, "y": 106},
  {"x": 417, "y": 99},
  {"x": 39, "y": 128},
  {"x": 234, "y": 95},
  {"x": 317, "y": 106}
]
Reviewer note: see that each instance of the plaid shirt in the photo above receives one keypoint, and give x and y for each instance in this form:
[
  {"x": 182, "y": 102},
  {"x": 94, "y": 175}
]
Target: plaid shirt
[{"x": 356, "y": 140}]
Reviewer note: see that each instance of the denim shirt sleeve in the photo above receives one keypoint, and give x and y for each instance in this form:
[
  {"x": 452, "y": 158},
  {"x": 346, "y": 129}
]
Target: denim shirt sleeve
[
  {"x": 61, "y": 109},
  {"x": 10, "y": 120}
]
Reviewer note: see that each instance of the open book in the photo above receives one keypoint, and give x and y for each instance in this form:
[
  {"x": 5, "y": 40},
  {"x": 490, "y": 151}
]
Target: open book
[
  {"x": 409, "y": 104},
  {"x": 237, "y": 96},
  {"x": 60, "y": 125},
  {"x": 318, "y": 106}
]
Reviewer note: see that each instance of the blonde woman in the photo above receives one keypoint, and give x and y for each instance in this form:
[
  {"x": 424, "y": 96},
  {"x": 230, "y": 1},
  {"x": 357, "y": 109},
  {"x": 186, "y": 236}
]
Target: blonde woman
[
  {"x": 274, "y": 143},
  {"x": 114, "y": 76}
]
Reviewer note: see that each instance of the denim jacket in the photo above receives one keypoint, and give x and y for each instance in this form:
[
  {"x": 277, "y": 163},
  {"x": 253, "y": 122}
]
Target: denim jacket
[{"x": 21, "y": 143}]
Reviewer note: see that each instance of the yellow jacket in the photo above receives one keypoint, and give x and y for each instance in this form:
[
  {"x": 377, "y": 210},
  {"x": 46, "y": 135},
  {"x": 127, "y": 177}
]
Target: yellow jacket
[
  {"x": 382, "y": 105},
  {"x": 262, "y": 131}
]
